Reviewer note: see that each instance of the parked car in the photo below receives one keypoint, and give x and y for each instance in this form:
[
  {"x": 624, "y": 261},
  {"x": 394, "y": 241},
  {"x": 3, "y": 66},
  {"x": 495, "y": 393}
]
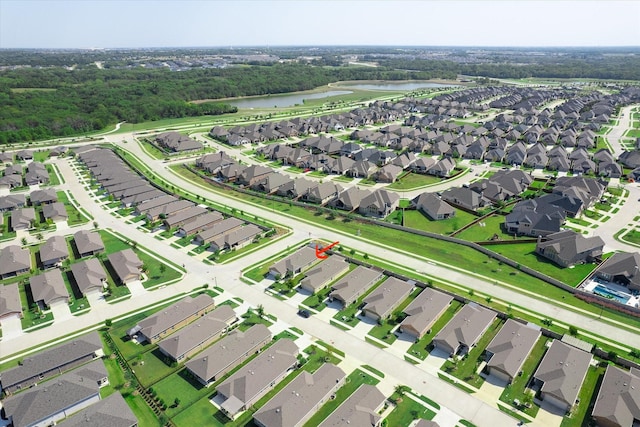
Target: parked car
[{"x": 304, "y": 313}]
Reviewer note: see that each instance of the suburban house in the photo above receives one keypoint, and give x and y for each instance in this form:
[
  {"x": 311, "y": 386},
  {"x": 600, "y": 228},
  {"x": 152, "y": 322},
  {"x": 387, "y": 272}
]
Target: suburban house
[
  {"x": 509, "y": 349},
  {"x": 177, "y": 142},
  {"x": 126, "y": 265},
  {"x": 360, "y": 409},
  {"x": 443, "y": 168},
  {"x": 433, "y": 206},
  {"x": 22, "y": 219},
  {"x": 10, "y": 304},
  {"x": 253, "y": 174},
  {"x": 88, "y": 243},
  {"x": 561, "y": 373},
  {"x": 295, "y": 188},
  {"x": 464, "y": 330},
  {"x": 321, "y": 193},
  {"x": 252, "y": 381},
  {"x": 54, "y": 251},
  {"x": 10, "y": 181},
  {"x": 388, "y": 173},
  {"x": 163, "y": 211},
  {"x": 52, "y": 401},
  {"x": 36, "y": 174},
  {"x": 14, "y": 261},
  {"x": 465, "y": 198},
  {"x": 179, "y": 218},
  {"x": 200, "y": 223},
  {"x": 618, "y": 401},
  {"x": 199, "y": 334},
  {"x": 380, "y": 203},
  {"x": 145, "y": 207},
  {"x": 89, "y": 275},
  {"x": 111, "y": 411},
  {"x": 167, "y": 321},
  {"x": 237, "y": 239},
  {"x": 380, "y": 303},
  {"x": 622, "y": 268},
  {"x": 12, "y": 201},
  {"x": 38, "y": 197},
  {"x": 227, "y": 353},
  {"x": 350, "y": 199},
  {"x": 323, "y": 273},
  {"x": 24, "y": 155},
  {"x": 423, "y": 312},
  {"x": 136, "y": 199},
  {"x": 48, "y": 288},
  {"x": 301, "y": 398},
  {"x": 217, "y": 230},
  {"x": 295, "y": 263},
  {"x": 534, "y": 218},
  {"x": 55, "y": 211},
  {"x": 51, "y": 362},
  {"x": 271, "y": 183},
  {"x": 355, "y": 283},
  {"x": 567, "y": 248}
]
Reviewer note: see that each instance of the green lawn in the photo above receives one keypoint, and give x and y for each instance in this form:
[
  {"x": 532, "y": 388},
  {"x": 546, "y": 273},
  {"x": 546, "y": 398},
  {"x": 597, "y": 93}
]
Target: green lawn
[
  {"x": 525, "y": 254},
  {"x": 348, "y": 314},
  {"x": 144, "y": 414},
  {"x": 517, "y": 388},
  {"x": 580, "y": 415},
  {"x": 486, "y": 230},
  {"x": 383, "y": 332},
  {"x": 633, "y": 236},
  {"x": 75, "y": 217},
  {"x": 406, "y": 411},
  {"x": 151, "y": 368},
  {"x": 416, "y": 219},
  {"x": 419, "y": 349},
  {"x": 180, "y": 384},
  {"x": 353, "y": 381},
  {"x": 410, "y": 181},
  {"x": 466, "y": 368}
]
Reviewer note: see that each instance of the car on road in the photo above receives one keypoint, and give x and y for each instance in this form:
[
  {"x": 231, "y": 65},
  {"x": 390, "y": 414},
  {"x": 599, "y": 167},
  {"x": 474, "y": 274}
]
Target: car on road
[{"x": 304, "y": 313}]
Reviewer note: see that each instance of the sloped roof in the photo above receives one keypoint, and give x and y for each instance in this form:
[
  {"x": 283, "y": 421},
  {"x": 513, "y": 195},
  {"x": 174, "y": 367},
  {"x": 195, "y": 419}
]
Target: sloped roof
[
  {"x": 88, "y": 241},
  {"x": 623, "y": 264},
  {"x": 174, "y": 314},
  {"x": 89, "y": 274},
  {"x": 13, "y": 258},
  {"x": 360, "y": 409},
  {"x": 511, "y": 346},
  {"x": 54, "y": 248},
  {"x": 10, "y": 299},
  {"x": 387, "y": 296},
  {"x": 48, "y": 287},
  {"x": 465, "y": 327},
  {"x": 423, "y": 311},
  {"x": 112, "y": 411},
  {"x": 618, "y": 400}
]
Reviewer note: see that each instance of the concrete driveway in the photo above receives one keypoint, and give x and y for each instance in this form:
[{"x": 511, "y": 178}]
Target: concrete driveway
[
  {"x": 11, "y": 327},
  {"x": 60, "y": 311}
]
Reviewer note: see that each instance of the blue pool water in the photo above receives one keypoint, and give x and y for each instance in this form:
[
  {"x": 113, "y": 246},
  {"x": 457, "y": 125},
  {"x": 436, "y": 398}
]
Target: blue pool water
[{"x": 606, "y": 292}]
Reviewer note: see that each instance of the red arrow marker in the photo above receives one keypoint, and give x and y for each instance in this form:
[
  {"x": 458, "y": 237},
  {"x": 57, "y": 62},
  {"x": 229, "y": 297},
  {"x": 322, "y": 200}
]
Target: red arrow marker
[{"x": 320, "y": 251}]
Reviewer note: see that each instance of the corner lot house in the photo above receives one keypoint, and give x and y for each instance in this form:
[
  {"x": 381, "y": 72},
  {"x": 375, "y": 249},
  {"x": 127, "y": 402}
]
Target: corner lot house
[
  {"x": 360, "y": 409},
  {"x": 89, "y": 275},
  {"x": 126, "y": 265},
  {"x": 380, "y": 303},
  {"x": 464, "y": 330},
  {"x": 10, "y": 304},
  {"x": 48, "y": 288},
  {"x": 561, "y": 373},
  {"x": 52, "y": 401},
  {"x": 295, "y": 263},
  {"x": 172, "y": 318},
  {"x": 14, "y": 261},
  {"x": 88, "y": 243},
  {"x": 178, "y": 143},
  {"x": 112, "y": 411},
  {"x": 22, "y": 219},
  {"x": 350, "y": 287},
  {"x": 622, "y": 268},
  {"x": 224, "y": 355},
  {"x": 301, "y": 398},
  {"x": 509, "y": 349},
  {"x": 55, "y": 211},
  {"x": 567, "y": 248},
  {"x": 618, "y": 402},
  {"x": 423, "y": 312},
  {"x": 247, "y": 385},
  {"x": 196, "y": 336},
  {"x": 323, "y": 273},
  {"x": 218, "y": 230},
  {"x": 51, "y": 362}
]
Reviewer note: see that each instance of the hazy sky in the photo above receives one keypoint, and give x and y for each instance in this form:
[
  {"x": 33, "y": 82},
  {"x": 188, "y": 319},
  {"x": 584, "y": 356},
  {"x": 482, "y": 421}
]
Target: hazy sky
[{"x": 147, "y": 23}]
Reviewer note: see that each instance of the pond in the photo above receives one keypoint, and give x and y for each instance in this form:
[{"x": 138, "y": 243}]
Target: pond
[
  {"x": 401, "y": 86},
  {"x": 278, "y": 101}
]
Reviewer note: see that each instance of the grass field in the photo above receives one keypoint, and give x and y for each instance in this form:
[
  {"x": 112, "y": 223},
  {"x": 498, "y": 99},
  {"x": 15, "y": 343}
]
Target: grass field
[
  {"x": 419, "y": 221},
  {"x": 633, "y": 236},
  {"x": 411, "y": 181}
]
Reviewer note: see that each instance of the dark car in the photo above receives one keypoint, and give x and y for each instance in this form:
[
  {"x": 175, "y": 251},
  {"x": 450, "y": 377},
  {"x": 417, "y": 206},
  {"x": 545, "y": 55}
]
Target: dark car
[{"x": 304, "y": 313}]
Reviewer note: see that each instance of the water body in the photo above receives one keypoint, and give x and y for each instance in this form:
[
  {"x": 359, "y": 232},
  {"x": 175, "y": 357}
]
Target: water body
[
  {"x": 283, "y": 100},
  {"x": 402, "y": 86}
]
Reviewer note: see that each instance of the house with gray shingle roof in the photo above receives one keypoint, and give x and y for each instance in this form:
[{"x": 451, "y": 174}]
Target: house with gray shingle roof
[
  {"x": 54, "y": 251},
  {"x": 48, "y": 195},
  {"x": 561, "y": 373},
  {"x": 179, "y": 218},
  {"x": 126, "y": 265},
  {"x": 380, "y": 303},
  {"x": 218, "y": 230},
  {"x": 176, "y": 142},
  {"x": 321, "y": 193},
  {"x": 199, "y": 334},
  {"x": 423, "y": 312},
  {"x": 22, "y": 219},
  {"x": 465, "y": 197},
  {"x": 55, "y": 211},
  {"x": 253, "y": 174},
  {"x": 112, "y": 411},
  {"x": 10, "y": 181},
  {"x": 172, "y": 318},
  {"x": 200, "y": 223},
  {"x": 350, "y": 198},
  {"x": 48, "y": 288},
  {"x": 323, "y": 273},
  {"x": 295, "y": 263},
  {"x": 433, "y": 206},
  {"x": 354, "y": 284},
  {"x": 10, "y": 304},
  {"x": 380, "y": 203},
  {"x": 36, "y": 174},
  {"x": 145, "y": 207},
  {"x": 360, "y": 409},
  {"x": 88, "y": 243},
  {"x": 567, "y": 248},
  {"x": 271, "y": 183},
  {"x": 623, "y": 268},
  {"x": 89, "y": 275},
  {"x": 227, "y": 353},
  {"x": 301, "y": 398},
  {"x": 51, "y": 401},
  {"x": 14, "y": 261},
  {"x": 247, "y": 385},
  {"x": 168, "y": 209},
  {"x": 510, "y": 348},
  {"x": 12, "y": 201},
  {"x": 465, "y": 329},
  {"x": 618, "y": 401},
  {"x": 51, "y": 362},
  {"x": 442, "y": 168},
  {"x": 295, "y": 188},
  {"x": 236, "y": 239}
]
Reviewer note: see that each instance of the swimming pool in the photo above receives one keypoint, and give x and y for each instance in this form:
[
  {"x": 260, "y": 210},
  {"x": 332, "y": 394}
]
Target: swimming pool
[{"x": 608, "y": 293}]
